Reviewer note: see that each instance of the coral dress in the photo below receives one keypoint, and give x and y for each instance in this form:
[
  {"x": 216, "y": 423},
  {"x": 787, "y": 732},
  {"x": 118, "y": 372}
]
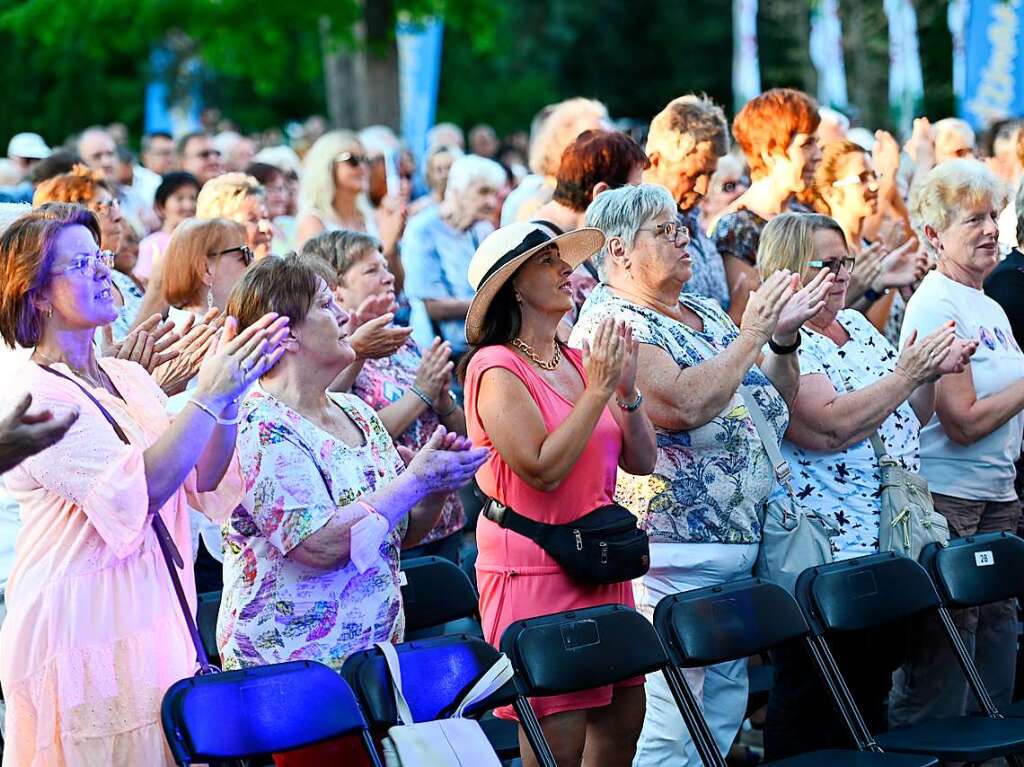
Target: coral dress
[
  {"x": 516, "y": 577},
  {"x": 94, "y": 634}
]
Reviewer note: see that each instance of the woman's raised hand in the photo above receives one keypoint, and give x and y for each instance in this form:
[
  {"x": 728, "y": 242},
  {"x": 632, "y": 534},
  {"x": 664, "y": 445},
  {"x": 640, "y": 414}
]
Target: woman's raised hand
[
  {"x": 603, "y": 357},
  {"x": 149, "y": 343},
  {"x": 236, "y": 360},
  {"x": 435, "y": 369},
  {"x": 446, "y": 463},
  {"x": 934, "y": 355},
  {"x": 626, "y": 390},
  {"x": 805, "y": 304},
  {"x": 765, "y": 305},
  {"x": 197, "y": 337}
]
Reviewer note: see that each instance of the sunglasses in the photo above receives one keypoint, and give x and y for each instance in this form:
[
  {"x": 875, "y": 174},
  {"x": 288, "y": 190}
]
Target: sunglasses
[
  {"x": 245, "y": 250},
  {"x": 352, "y": 160},
  {"x": 834, "y": 264}
]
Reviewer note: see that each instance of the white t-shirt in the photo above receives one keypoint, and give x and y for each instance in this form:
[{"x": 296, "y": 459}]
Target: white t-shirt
[{"x": 984, "y": 470}]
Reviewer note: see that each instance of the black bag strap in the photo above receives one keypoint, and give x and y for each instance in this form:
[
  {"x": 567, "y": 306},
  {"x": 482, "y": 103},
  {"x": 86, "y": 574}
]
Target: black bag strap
[
  {"x": 171, "y": 555},
  {"x": 503, "y": 516}
]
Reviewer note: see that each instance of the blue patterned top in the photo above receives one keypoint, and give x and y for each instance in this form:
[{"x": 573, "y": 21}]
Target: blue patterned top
[
  {"x": 709, "y": 483},
  {"x": 275, "y": 609},
  {"x": 708, "y": 279}
]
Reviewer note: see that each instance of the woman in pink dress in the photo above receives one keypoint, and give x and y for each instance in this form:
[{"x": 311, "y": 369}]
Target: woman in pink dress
[
  {"x": 94, "y": 634},
  {"x": 559, "y": 423}
]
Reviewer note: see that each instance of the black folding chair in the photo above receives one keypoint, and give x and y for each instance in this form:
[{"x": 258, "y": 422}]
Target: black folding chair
[
  {"x": 970, "y": 572},
  {"x": 436, "y": 591},
  {"x": 436, "y": 674},
  {"x": 207, "y": 609},
  {"x": 577, "y": 650},
  {"x": 238, "y": 715},
  {"x": 876, "y": 591},
  {"x": 734, "y": 620}
]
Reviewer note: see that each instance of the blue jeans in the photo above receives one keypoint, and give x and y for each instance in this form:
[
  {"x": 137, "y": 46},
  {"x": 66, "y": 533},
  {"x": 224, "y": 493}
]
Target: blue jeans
[{"x": 720, "y": 689}]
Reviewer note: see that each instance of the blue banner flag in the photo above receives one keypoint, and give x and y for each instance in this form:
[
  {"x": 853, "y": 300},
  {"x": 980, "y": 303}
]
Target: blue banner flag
[
  {"x": 419, "y": 75},
  {"x": 993, "y": 61}
]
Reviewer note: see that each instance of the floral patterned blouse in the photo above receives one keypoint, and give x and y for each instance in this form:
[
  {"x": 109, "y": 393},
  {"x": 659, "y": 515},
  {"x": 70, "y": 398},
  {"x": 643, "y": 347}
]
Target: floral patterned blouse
[
  {"x": 273, "y": 608},
  {"x": 844, "y": 485},
  {"x": 709, "y": 483},
  {"x": 738, "y": 234},
  {"x": 382, "y": 382}
]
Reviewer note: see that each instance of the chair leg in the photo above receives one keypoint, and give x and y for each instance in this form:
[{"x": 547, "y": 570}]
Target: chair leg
[
  {"x": 967, "y": 666},
  {"x": 689, "y": 709},
  {"x": 371, "y": 748},
  {"x": 832, "y": 677},
  {"x": 534, "y": 733}
]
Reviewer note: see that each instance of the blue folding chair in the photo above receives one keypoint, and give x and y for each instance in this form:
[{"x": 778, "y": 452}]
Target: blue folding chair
[
  {"x": 970, "y": 572},
  {"x": 244, "y": 714},
  {"x": 436, "y": 674},
  {"x": 735, "y": 620},
  {"x": 879, "y": 590}
]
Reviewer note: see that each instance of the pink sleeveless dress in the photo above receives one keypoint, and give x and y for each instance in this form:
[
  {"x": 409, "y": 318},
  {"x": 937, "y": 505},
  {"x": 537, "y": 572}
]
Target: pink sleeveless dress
[{"x": 517, "y": 579}]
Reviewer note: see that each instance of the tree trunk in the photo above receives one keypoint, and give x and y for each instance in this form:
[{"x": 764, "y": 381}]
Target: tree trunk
[{"x": 362, "y": 78}]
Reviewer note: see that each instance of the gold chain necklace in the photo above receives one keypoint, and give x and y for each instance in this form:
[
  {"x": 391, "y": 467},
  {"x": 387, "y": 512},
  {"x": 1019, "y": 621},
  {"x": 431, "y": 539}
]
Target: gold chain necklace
[{"x": 535, "y": 358}]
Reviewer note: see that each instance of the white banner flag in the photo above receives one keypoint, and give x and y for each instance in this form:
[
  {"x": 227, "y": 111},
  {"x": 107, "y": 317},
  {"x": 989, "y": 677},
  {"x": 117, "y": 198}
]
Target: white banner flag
[
  {"x": 826, "y": 48},
  {"x": 906, "y": 83},
  {"x": 746, "y": 70}
]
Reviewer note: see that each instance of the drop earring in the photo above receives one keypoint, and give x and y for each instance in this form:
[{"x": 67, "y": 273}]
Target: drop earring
[
  {"x": 209, "y": 298},
  {"x": 49, "y": 313}
]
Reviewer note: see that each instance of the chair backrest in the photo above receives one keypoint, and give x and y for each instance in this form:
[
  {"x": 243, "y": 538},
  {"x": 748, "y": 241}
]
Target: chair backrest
[
  {"x": 436, "y": 675},
  {"x": 727, "y": 622},
  {"x": 977, "y": 570},
  {"x": 207, "y": 609},
  {"x": 580, "y": 649},
  {"x": 860, "y": 593},
  {"x": 436, "y": 592},
  {"x": 238, "y": 714}
]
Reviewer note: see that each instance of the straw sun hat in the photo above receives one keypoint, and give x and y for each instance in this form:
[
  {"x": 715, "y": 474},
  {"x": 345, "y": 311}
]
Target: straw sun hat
[{"x": 504, "y": 250}]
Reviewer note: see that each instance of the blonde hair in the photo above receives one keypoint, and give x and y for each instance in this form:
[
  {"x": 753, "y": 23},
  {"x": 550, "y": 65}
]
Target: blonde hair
[
  {"x": 567, "y": 120},
  {"x": 949, "y": 187},
  {"x": 188, "y": 255},
  {"x": 316, "y": 188},
  {"x": 787, "y": 242},
  {"x": 223, "y": 196}
]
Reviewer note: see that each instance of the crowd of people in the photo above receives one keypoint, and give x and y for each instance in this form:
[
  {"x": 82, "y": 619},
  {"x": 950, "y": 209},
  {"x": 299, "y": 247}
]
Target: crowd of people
[{"x": 306, "y": 361}]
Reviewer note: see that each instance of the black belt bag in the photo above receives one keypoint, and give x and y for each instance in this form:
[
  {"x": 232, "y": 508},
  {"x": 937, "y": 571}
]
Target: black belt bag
[{"x": 604, "y": 546}]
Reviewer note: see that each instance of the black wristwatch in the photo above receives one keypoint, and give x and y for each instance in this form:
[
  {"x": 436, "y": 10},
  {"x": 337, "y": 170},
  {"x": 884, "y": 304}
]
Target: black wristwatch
[
  {"x": 780, "y": 349},
  {"x": 873, "y": 295}
]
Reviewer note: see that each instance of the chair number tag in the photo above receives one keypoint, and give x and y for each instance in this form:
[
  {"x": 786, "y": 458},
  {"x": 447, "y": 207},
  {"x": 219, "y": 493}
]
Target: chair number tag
[
  {"x": 403, "y": 579},
  {"x": 984, "y": 558}
]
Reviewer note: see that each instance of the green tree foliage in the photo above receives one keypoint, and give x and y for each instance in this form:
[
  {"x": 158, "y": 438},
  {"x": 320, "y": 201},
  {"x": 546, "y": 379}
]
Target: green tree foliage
[{"x": 70, "y": 63}]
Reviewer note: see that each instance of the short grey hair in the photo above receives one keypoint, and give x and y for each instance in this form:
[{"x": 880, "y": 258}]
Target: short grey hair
[
  {"x": 685, "y": 123},
  {"x": 470, "y": 169},
  {"x": 622, "y": 212}
]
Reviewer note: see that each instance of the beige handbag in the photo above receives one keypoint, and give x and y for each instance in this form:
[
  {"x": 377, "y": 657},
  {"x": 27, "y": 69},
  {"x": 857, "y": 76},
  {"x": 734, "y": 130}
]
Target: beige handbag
[{"x": 454, "y": 742}]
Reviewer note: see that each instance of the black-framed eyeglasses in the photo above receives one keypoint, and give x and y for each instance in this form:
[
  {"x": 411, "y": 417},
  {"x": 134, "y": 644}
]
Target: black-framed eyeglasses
[
  {"x": 672, "y": 231},
  {"x": 351, "y": 159},
  {"x": 83, "y": 261},
  {"x": 834, "y": 264},
  {"x": 245, "y": 250}
]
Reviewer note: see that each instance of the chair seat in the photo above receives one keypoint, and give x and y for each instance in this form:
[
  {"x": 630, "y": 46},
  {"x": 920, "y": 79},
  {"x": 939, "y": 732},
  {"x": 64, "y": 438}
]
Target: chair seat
[
  {"x": 834, "y": 758},
  {"x": 958, "y": 739},
  {"x": 503, "y": 735},
  {"x": 1016, "y": 709}
]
